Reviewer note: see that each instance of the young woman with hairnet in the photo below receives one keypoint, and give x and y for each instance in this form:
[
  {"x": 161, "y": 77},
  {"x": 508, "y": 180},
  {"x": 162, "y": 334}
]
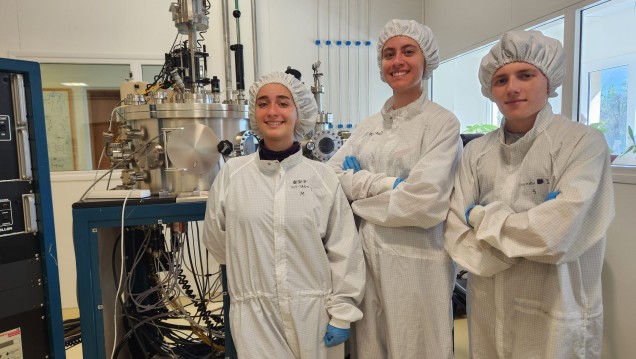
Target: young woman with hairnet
[
  {"x": 397, "y": 169},
  {"x": 530, "y": 212},
  {"x": 284, "y": 228}
]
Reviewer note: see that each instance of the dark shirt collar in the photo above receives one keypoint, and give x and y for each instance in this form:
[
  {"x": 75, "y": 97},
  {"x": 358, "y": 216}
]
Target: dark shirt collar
[{"x": 266, "y": 154}]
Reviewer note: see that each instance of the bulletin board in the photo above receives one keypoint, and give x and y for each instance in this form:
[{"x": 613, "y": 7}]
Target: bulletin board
[{"x": 58, "y": 115}]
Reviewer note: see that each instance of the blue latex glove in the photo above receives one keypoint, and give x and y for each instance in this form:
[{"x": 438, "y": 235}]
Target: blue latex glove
[
  {"x": 351, "y": 163},
  {"x": 397, "y": 182},
  {"x": 551, "y": 195},
  {"x": 467, "y": 213},
  {"x": 335, "y": 336}
]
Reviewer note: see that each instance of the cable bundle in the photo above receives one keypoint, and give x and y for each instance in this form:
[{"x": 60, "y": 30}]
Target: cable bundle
[
  {"x": 72, "y": 332},
  {"x": 156, "y": 320}
]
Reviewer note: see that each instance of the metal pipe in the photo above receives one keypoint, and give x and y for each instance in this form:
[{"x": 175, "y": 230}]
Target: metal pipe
[
  {"x": 192, "y": 37},
  {"x": 226, "y": 50},
  {"x": 254, "y": 42},
  {"x": 237, "y": 15}
]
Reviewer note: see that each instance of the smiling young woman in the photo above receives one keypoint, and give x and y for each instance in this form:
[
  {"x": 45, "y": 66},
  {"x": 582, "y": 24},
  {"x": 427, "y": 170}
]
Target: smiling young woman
[
  {"x": 276, "y": 116},
  {"x": 397, "y": 168},
  {"x": 403, "y": 66},
  {"x": 283, "y": 226}
]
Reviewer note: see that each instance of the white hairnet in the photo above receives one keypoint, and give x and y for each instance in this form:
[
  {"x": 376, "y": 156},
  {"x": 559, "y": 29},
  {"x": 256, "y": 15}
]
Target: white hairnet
[
  {"x": 303, "y": 99},
  {"x": 422, "y": 34},
  {"x": 532, "y": 47}
]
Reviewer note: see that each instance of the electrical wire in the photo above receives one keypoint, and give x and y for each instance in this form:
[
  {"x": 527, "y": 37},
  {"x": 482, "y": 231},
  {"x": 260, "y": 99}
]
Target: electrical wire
[
  {"x": 206, "y": 12},
  {"x": 330, "y": 106},
  {"x": 358, "y": 44},
  {"x": 160, "y": 254},
  {"x": 348, "y": 63},
  {"x": 367, "y": 62},
  {"x": 121, "y": 302},
  {"x": 163, "y": 72},
  {"x": 184, "y": 341},
  {"x": 339, "y": 64},
  {"x": 121, "y": 273},
  {"x": 317, "y": 30}
]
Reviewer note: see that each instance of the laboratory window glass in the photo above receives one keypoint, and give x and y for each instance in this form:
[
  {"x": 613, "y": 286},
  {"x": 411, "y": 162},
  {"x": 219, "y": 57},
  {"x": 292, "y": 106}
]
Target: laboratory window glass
[
  {"x": 78, "y": 103},
  {"x": 554, "y": 29},
  {"x": 455, "y": 85},
  {"x": 148, "y": 73},
  {"x": 608, "y": 76}
]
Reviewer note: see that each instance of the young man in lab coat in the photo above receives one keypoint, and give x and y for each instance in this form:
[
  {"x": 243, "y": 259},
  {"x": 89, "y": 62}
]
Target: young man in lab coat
[{"x": 529, "y": 213}]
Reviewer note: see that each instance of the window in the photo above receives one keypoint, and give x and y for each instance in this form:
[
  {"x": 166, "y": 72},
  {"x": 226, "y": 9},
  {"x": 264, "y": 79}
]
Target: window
[
  {"x": 607, "y": 80},
  {"x": 78, "y": 101},
  {"x": 455, "y": 85},
  {"x": 148, "y": 72},
  {"x": 553, "y": 28}
]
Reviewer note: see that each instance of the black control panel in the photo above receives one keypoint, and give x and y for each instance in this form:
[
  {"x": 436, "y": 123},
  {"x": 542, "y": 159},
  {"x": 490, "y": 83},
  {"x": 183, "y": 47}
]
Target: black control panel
[
  {"x": 27, "y": 289},
  {"x": 9, "y": 170}
]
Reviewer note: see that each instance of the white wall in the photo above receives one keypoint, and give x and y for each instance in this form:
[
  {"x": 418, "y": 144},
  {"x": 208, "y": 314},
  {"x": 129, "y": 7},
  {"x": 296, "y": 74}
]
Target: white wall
[
  {"x": 67, "y": 188},
  {"x": 114, "y": 31},
  {"x": 141, "y": 31},
  {"x": 619, "y": 285},
  {"x": 460, "y": 25},
  {"x": 287, "y": 31}
]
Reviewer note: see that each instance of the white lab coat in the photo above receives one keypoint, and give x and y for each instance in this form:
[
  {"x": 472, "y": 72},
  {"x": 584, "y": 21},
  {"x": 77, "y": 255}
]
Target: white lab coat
[
  {"x": 293, "y": 256},
  {"x": 535, "y": 285},
  {"x": 410, "y": 277}
]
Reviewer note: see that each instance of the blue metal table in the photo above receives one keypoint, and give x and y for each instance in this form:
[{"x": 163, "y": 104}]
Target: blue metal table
[{"x": 87, "y": 218}]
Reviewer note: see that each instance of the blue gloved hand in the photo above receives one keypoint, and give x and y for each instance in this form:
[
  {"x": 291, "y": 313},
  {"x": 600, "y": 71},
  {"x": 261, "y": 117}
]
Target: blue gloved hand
[
  {"x": 467, "y": 213},
  {"x": 351, "y": 163},
  {"x": 397, "y": 182},
  {"x": 551, "y": 195},
  {"x": 335, "y": 336}
]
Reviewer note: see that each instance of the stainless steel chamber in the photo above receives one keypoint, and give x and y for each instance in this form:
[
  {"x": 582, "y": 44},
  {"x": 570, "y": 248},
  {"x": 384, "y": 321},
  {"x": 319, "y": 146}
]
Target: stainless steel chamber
[{"x": 153, "y": 125}]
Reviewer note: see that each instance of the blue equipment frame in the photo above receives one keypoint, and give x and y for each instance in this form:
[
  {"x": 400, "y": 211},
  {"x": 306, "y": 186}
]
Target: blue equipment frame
[{"x": 44, "y": 202}]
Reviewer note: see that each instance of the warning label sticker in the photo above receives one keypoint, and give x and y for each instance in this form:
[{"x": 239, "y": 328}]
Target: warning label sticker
[{"x": 11, "y": 344}]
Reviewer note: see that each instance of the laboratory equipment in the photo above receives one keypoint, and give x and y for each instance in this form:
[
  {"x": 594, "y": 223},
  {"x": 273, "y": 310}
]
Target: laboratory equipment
[{"x": 30, "y": 305}]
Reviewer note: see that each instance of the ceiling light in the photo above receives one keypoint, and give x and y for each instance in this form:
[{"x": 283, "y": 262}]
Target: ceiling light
[{"x": 74, "y": 84}]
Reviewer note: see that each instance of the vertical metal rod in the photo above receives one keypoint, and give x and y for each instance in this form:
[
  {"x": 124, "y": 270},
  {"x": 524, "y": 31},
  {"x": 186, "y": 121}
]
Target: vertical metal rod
[
  {"x": 238, "y": 24},
  {"x": 254, "y": 41},
  {"x": 226, "y": 50}
]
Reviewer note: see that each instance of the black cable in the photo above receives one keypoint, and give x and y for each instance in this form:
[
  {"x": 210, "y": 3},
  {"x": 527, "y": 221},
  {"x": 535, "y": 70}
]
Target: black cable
[
  {"x": 206, "y": 11},
  {"x": 134, "y": 328},
  {"x": 200, "y": 304},
  {"x": 153, "y": 333},
  {"x": 163, "y": 71},
  {"x": 72, "y": 341},
  {"x": 121, "y": 302}
]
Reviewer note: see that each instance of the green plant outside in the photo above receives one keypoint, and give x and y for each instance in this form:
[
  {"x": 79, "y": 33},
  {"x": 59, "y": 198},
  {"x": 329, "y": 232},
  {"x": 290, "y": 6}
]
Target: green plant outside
[
  {"x": 480, "y": 128},
  {"x": 601, "y": 126},
  {"x": 632, "y": 147}
]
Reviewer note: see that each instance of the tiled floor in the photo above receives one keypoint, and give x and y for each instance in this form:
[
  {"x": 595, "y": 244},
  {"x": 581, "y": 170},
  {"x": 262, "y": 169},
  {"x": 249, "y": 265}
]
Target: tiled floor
[{"x": 461, "y": 337}]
